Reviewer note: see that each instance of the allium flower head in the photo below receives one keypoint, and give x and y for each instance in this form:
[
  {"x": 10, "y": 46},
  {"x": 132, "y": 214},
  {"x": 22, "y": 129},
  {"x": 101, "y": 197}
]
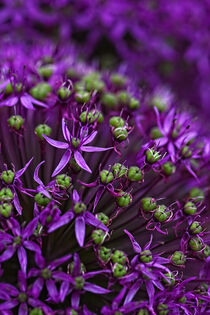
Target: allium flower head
[{"x": 103, "y": 193}]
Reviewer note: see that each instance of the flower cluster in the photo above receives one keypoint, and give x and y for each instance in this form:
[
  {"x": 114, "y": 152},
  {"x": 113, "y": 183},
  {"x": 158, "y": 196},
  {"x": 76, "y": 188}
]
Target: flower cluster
[{"x": 103, "y": 192}]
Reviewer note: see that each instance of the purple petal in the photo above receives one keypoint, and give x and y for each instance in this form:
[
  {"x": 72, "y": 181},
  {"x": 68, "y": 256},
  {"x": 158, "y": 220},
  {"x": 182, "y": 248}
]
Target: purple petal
[
  {"x": 147, "y": 246},
  {"x": 36, "y": 102},
  {"x": 90, "y": 287},
  {"x": 64, "y": 160},
  {"x": 92, "y": 220},
  {"x": 44, "y": 192},
  {"x": 8, "y": 305},
  {"x": 36, "y": 174},
  {"x": 63, "y": 220},
  {"x": 66, "y": 133},
  {"x": 54, "y": 264},
  {"x": 55, "y": 143},
  {"x": 136, "y": 246},
  {"x": 81, "y": 162},
  {"x": 26, "y": 102},
  {"x": 32, "y": 246},
  {"x": 169, "y": 120},
  {"x": 94, "y": 149},
  {"x": 22, "y": 257},
  {"x": 59, "y": 275},
  {"x": 171, "y": 151},
  {"x": 91, "y": 274},
  {"x": 132, "y": 291},
  {"x": 80, "y": 230},
  {"x": 17, "y": 204},
  {"x": 9, "y": 289},
  {"x": 29, "y": 230},
  {"x": 76, "y": 197},
  {"x": 23, "y": 309},
  {"x": 75, "y": 299},
  {"x": 37, "y": 287},
  {"x": 77, "y": 265},
  {"x": 33, "y": 272},
  {"x": 22, "y": 281},
  {"x": 8, "y": 253},
  {"x": 64, "y": 289},
  {"x": 158, "y": 121},
  {"x": 151, "y": 291},
  {"x": 98, "y": 196},
  {"x": 22, "y": 170},
  {"x": 9, "y": 102},
  {"x": 14, "y": 226},
  {"x": 52, "y": 290},
  {"x": 117, "y": 300},
  {"x": 90, "y": 138}
]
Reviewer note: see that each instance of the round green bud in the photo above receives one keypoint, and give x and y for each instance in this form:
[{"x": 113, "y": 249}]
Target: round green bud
[
  {"x": 186, "y": 152},
  {"x": 106, "y": 177},
  {"x": 45, "y": 71},
  {"x": 162, "y": 309},
  {"x": 160, "y": 103},
  {"x": 102, "y": 217},
  {"x": 118, "y": 80},
  {"x": 170, "y": 279},
  {"x": 8, "y": 89},
  {"x": 152, "y": 156},
  {"x": 124, "y": 200},
  {"x": 161, "y": 214},
  {"x": 134, "y": 174},
  {"x": 63, "y": 181},
  {"x": 155, "y": 133},
  {"x": 183, "y": 299},
  {"x": 143, "y": 311},
  {"x": 6, "y": 209},
  {"x": 148, "y": 204},
  {"x": 79, "y": 86},
  {"x": 42, "y": 129},
  {"x": 22, "y": 297},
  {"x": 98, "y": 236},
  {"x": 74, "y": 166},
  {"x": 206, "y": 251},
  {"x": 119, "y": 170},
  {"x": 95, "y": 85},
  {"x": 109, "y": 100},
  {"x": 119, "y": 270},
  {"x": 178, "y": 258},
  {"x": 116, "y": 121},
  {"x": 41, "y": 91},
  {"x": 75, "y": 142},
  {"x": 119, "y": 257},
  {"x": 79, "y": 283},
  {"x": 105, "y": 253},
  {"x": 41, "y": 200},
  {"x": 8, "y": 176},
  {"x": 6, "y": 195},
  {"x": 123, "y": 97},
  {"x": 16, "y": 122},
  {"x": 120, "y": 134},
  {"x": 190, "y": 208},
  {"x": 64, "y": 93},
  {"x": 46, "y": 273},
  {"x": 133, "y": 103},
  {"x": 196, "y": 194},
  {"x": 195, "y": 244},
  {"x": 195, "y": 228},
  {"x": 91, "y": 117},
  {"x": 82, "y": 97},
  {"x": 36, "y": 311},
  {"x": 145, "y": 256},
  {"x": 79, "y": 207},
  {"x": 169, "y": 168}
]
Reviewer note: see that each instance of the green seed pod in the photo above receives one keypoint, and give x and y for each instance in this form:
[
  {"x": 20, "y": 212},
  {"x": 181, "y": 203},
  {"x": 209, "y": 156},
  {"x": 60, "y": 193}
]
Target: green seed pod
[
  {"x": 162, "y": 309},
  {"x": 190, "y": 208},
  {"x": 41, "y": 200},
  {"x": 119, "y": 170},
  {"x": 79, "y": 86},
  {"x": 46, "y": 273},
  {"x": 36, "y": 311},
  {"x": 79, "y": 283},
  {"x": 148, "y": 204},
  {"x": 103, "y": 218},
  {"x": 123, "y": 97},
  {"x": 183, "y": 299},
  {"x": 119, "y": 257},
  {"x": 186, "y": 152},
  {"x": 169, "y": 168},
  {"x": 118, "y": 79},
  {"x": 178, "y": 258},
  {"x": 170, "y": 279},
  {"x": 119, "y": 270},
  {"x": 79, "y": 207},
  {"x": 74, "y": 166},
  {"x": 6, "y": 195},
  {"x": 160, "y": 103},
  {"x": 124, "y": 200},
  {"x": 195, "y": 228},
  {"x": 64, "y": 93},
  {"x": 42, "y": 129},
  {"x": 152, "y": 156},
  {"x": 63, "y": 181},
  {"x": 8, "y": 89},
  {"x": 206, "y": 251},
  {"x": 161, "y": 213},
  {"x": 98, "y": 236},
  {"x": 106, "y": 177},
  {"x": 104, "y": 254},
  {"x": 135, "y": 174},
  {"x": 109, "y": 100},
  {"x": 45, "y": 71},
  {"x": 133, "y": 103},
  {"x": 143, "y": 311},
  {"x": 145, "y": 256},
  {"x": 41, "y": 91},
  {"x": 82, "y": 97},
  {"x": 6, "y": 209},
  {"x": 16, "y": 122},
  {"x": 195, "y": 244},
  {"x": 91, "y": 117},
  {"x": 8, "y": 176},
  {"x": 196, "y": 194},
  {"x": 116, "y": 121},
  {"x": 120, "y": 134},
  {"x": 22, "y": 297},
  {"x": 155, "y": 133},
  {"x": 72, "y": 73}
]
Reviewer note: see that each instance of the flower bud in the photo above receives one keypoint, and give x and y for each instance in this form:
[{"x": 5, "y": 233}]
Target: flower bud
[
  {"x": 118, "y": 80},
  {"x": 145, "y": 256},
  {"x": 195, "y": 244},
  {"x": 63, "y": 181},
  {"x": 106, "y": 177},
  {"x": 206, "y": 251},
  {"x": 104, "y": 253},
  {"x": 133, "y": 103},
  {"x": 45, "y": 71},
  {"x": 119, "y": 270},
  {"x": 162, "y": 309},
  {"x": 152, "y": 156},
  {"x": 8, "y": 176},
  {"x": 79, "y": 207},
  {"x": 36, "y": 311},
  {"x": 186, "y": 152},
  {"x": 143, "y": 311},
  {"x": 6, "y": 209},
  {"x": 82, "y": 97},
  {"x": 134, "y": 174},
  {"x": 155, "y": 133},
  {"x": 64, "y": 93},
  {"x": 98, "y": 236},
  {"x": 196, "y": 194},
  {"x": 190, "y": 208},
  {"x": 109, "y": 100},
  {"x": 119, "y": 170},
  {"x": 41, "y": 200},
  {"x": 161, "y": 213},
  {"x": 6, "y": 195},
  {"x": 169, "y": 168},
  {"x": 178, "y": 258},
  {"x": 46, "y": 273},
  {"x": 195, "y": 228},
  {"x": 148, "y": 204},
  {"x": 103, "y": 218},
  {"x": 42, "y": 129},
  {"x": 91, "y": 117},
  {"x": 123, "y": 97},
  {"x": 41, "y": 91},
  {"x": 160, "y": 103},
  {"x": 79, "y": 283},
  {"x": 120, "y": 134},
  {"x": 119, "y": 257},
  {"x": 170, "y": 279},
  {"x": 124, "y": 200},
  {"x": 116, "y": 121},
  {"x": 16, "y": 122}
]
